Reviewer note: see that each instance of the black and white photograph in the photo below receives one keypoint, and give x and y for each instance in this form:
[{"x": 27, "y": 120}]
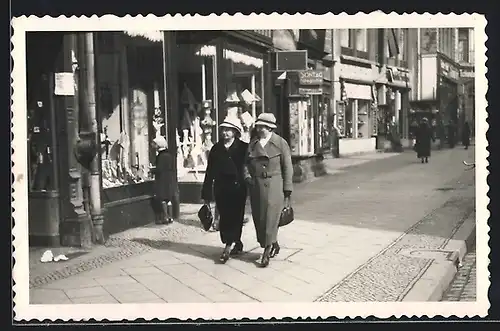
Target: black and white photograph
[{"x": 250, "y": 170}]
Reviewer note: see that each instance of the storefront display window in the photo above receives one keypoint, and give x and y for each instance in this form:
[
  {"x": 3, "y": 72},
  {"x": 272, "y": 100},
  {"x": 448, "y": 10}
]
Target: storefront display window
[
  {"x": 301, "y": 127},
  {"x": 197, "y": 130},
  {"x": 245, "y": 88},
  {"x": 130, "y": 103},
  {"x": 363, "y": 119},
  {"x": 40, "y": 162},
  {"x": 324, "y": 123},
  {"x": 349, "y": 119}
]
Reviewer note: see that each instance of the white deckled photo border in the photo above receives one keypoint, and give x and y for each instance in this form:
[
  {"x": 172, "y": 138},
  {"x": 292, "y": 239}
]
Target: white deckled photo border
[{"x": 25, "y": 311}]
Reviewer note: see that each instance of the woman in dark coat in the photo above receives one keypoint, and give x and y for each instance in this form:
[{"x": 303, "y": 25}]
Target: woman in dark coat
[
  {"x": 269, "y": 172},
  {"x": 224, "y": 181},
  {"x": 163, "y": 184},
  {"x": 466, "y": 135},
  {"x": 424, "y": 137}
]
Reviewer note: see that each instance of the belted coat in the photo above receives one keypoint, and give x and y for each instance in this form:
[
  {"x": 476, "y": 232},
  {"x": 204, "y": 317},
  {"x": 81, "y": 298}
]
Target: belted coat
[{"x": 269, "y": 170}]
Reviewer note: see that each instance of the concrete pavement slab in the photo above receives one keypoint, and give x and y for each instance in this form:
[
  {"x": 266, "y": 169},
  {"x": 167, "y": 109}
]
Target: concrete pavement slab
[
  {"x": 48, "y": 296},
  {"x": 343, "y": 236}
]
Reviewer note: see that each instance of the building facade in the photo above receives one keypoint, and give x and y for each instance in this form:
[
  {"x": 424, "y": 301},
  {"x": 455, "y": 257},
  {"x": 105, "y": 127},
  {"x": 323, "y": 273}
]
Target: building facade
[
  {"x": 374, "y": 74},
  {"x": 445, "y": 88},
  {"x": 97, "y": 100}
]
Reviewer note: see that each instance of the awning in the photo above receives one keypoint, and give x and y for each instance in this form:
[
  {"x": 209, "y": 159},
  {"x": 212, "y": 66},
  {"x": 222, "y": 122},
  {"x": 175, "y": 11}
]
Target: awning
[
  {"x": 151, "y": 35},
  {"x": 209, "y": 50}
]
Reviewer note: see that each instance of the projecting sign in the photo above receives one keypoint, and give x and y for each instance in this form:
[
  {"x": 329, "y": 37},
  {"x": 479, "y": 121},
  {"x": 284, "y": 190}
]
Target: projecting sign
[
  {"x": 304, "y": 90},
  {"x": 311, "y": 77}
]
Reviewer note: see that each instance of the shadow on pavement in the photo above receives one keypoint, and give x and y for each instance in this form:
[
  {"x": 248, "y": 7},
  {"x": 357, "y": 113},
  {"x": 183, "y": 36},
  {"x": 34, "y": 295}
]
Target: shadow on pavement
[{"x": 211, "y": 253}]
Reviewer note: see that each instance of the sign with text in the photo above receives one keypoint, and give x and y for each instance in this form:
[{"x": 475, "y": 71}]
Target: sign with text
[
  {"x": 467, "y": 73},
  {"x": 304, "y": 90},
  {"x": 311, "y": 77}
]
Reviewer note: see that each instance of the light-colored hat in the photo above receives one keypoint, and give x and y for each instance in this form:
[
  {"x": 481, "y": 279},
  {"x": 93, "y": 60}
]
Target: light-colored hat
[
  {"x": 233, "y": 123},
  {"x": 266, "y": 119},
  {"x": 161, "y": 142}
]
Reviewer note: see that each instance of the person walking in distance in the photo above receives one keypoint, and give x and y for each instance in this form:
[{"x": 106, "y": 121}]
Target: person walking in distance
[
  {"x": 163, "y": 184},
  {"x": 466, "y": 135},
  {"x": 424, "y": 137},
  {"x": 224, "y": 181},
  {"x": 268, "y": 172}
]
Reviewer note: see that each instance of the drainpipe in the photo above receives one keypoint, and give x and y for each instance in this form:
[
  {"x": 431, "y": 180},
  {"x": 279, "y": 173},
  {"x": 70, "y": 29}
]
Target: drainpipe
[
  {"x": 92, "y": 134},
  {"x": 334, "y": 139}
]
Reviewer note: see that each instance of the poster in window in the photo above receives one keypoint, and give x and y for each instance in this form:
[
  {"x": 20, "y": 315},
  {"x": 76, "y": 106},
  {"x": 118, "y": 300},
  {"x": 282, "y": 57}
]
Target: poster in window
[{"x": 341, "y": 118}]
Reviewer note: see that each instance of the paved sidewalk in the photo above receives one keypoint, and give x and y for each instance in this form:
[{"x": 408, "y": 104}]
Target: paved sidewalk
[{"x": 344, "y": 246}]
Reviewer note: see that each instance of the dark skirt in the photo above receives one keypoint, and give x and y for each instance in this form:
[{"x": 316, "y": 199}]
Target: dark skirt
[{"x": 231, "y": 207}]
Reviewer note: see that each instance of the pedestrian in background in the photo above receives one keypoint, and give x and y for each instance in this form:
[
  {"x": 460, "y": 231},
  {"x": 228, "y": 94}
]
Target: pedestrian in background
[
  {"x": 466, "y": 132},
  {"x": 269, "y": 175},
  {"x": 225, "y": 183},
  {"x": 424, "y": 138},
  {"x": 452, "y": 132},
  {"x": 163, "y": 185}
]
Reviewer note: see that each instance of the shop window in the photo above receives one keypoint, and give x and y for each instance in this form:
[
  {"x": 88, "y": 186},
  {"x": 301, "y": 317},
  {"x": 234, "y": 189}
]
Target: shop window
[
  {"x": 198, "y": 72},
  {"x": 40, "y": 162},
  {"x": 349, "y": 119},
  {"x": 364, "y": 130},
  {"x": 129, "y": 80},
  {"x": 324, "y": 122},
  {"x": 196, "y": 127},
  {"x": 301, "y": 126},
  {"x": 244, "y": 90}
]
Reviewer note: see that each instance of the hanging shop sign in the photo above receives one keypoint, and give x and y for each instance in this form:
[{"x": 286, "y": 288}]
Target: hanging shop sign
[
  {"x": 309, "y": 90},
  {"x": 311, "y": 77}
]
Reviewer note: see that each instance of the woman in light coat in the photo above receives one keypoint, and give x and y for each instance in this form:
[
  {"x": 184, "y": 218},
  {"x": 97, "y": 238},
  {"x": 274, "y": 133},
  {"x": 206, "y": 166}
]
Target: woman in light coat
[{"x": 268, "y": 172}]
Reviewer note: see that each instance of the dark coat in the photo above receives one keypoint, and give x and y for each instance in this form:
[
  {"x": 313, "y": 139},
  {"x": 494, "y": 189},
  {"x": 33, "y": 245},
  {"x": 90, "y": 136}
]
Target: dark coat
[
  {"x": 466, "y": 132},
  {"x": 424, "y": 138},
  {"x": 164, "y": 182},
  {"x": 225, "y": 182},
  {"x": 270, "y": 171}
]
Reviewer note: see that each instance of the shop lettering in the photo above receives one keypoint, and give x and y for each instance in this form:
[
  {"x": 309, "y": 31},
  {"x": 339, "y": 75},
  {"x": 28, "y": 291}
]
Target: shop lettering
[
  {"x": 303, "y": 90},
  {"x": 311, "y": 77},
  {"x": 466, "y": 73}
]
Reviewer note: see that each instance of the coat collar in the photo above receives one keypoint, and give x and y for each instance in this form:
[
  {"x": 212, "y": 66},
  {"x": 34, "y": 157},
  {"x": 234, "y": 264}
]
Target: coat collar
[{"x": 272, "y": 147}]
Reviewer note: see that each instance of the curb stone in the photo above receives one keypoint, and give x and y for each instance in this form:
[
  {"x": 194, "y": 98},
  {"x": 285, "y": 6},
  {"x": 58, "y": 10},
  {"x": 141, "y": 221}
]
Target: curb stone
[{"x": 439, "y": 275}]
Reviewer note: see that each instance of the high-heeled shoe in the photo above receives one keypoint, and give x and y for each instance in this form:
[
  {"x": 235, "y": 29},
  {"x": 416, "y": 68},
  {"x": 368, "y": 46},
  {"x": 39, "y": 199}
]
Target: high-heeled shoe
[
  {"x": 275, "y": 250},
  {"x": 237, "y": 249},
  {"x": 225, "y": 254},
  {"x": 265, "y": 257}
]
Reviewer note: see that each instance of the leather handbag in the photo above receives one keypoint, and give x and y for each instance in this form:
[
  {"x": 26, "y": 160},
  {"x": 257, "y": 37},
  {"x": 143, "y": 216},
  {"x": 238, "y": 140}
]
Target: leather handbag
[
  {"x": 287, "y": 216},
  {"x": 206, "y": 217}
]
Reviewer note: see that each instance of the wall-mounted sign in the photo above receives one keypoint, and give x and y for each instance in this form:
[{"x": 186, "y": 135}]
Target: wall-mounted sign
[
  {"x": 314, "y": 90},
  {"x": 311, "y": 77},
  {"x": 467, "y": 73},
  {"x": 64, "y": 84}
]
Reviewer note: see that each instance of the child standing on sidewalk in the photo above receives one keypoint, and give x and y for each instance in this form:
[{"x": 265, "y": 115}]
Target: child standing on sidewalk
[{"x": 163, "y": 185}]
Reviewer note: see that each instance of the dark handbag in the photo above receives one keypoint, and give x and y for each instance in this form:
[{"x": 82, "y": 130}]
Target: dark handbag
[
  {"x": 286, "y": 216},
  {"x": 206, "y": 217}
]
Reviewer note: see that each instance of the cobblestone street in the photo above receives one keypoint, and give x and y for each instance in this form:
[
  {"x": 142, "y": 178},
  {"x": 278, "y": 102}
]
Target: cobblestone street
[{"x": 348, "y": 243}]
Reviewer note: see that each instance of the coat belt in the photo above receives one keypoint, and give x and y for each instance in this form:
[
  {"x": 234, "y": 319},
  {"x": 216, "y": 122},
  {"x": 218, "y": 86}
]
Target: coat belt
[{"x": 266, "y": 174}]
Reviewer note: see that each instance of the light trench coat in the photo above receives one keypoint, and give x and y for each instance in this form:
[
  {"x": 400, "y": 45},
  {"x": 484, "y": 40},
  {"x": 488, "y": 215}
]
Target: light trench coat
[{"x": 271, "y": 171}]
